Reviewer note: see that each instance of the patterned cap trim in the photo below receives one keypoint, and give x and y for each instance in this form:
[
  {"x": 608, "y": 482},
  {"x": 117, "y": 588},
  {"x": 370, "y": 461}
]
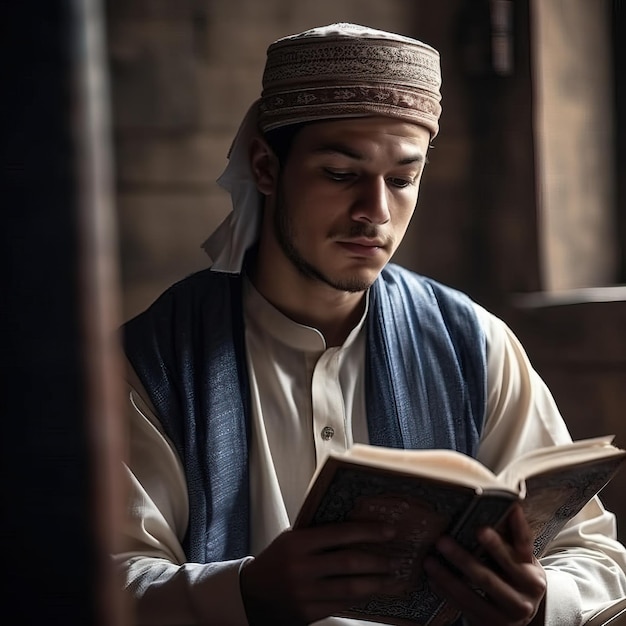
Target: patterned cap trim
[{"x": 346, "y": 70}]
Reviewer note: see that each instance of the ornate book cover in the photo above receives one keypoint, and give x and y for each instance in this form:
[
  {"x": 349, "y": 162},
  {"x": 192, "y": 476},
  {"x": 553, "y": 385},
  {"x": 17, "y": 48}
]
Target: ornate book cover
[{"x": 423, "y": 507}]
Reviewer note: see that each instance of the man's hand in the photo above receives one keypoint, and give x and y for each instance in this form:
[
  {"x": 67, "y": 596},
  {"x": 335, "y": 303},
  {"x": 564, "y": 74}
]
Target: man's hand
[
  {"x": 306, "y": 575},
  {"x": 512, "y": 588}
]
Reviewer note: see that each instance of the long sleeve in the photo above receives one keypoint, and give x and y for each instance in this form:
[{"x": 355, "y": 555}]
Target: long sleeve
[
  {"x": 165, "y": 589},
  {"x": 585, "y": 564}
]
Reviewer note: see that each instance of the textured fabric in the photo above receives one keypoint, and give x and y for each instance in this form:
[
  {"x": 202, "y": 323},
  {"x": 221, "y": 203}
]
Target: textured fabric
[
  {"x": 188, "y": 349},
  {"x": 426, "y": 339},
  {"x": 347, "y": 70},
  {"x": 426, "y": 372}
]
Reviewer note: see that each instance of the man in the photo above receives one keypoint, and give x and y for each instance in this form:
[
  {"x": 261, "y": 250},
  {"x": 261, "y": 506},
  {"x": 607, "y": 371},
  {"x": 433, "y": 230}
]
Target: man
[{"x": 301, "y": 339}]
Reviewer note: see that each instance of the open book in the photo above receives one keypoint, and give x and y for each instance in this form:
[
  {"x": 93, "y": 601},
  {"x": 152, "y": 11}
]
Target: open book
[{"x": 427, "y": 493}]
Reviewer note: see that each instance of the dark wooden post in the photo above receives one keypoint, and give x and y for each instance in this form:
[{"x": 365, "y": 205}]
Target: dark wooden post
[{"x": 59, "y": 396}]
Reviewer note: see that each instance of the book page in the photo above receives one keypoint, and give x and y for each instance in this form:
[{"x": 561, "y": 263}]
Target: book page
[
  {"x": 546, "y": 459},
  {"x": 445, "y": 465},
  {"x": 554, "y": 497}
]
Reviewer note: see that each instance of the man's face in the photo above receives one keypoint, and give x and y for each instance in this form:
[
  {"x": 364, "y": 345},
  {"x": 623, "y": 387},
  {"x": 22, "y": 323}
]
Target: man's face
[{"x": 345, "y": 196}]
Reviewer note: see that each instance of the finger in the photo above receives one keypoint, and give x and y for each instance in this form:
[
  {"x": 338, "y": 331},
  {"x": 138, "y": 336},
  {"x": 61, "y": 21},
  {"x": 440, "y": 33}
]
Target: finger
[
  {"x": 509, "y": 549},
  {"x": 510, "y": 559},
  {"x": 521, "y": 534},
  {"x": 350, "y": 561},
  {"x": 333, "y": 601},
  {"x": 478, "y": 592},
  {"x": 458, "y": 593},
  {"x": 515, "y": 589},
  {"x": 333, "y": 536},
  {"x": 350, "y": 590},
  {"x": 502, "y": 554},
  {"x": 476, "y": 572}
]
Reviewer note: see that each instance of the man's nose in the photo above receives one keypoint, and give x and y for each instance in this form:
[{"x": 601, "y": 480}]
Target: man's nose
[{"x": 372, "y": 202}]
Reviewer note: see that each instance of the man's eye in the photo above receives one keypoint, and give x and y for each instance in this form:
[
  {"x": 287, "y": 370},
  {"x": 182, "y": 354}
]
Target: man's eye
[
  {"x": 339, "y": 176},
  {"x": 400, "y": 183}
]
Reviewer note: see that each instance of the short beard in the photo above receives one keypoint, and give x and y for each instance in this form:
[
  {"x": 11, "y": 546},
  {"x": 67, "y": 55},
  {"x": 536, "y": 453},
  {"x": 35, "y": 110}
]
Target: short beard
[{"x": 283, "y": 231}]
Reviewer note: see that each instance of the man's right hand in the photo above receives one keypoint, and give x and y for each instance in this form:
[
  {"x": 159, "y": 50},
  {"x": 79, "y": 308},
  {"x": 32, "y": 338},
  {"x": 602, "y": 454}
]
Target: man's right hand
[{"x": 308, "y": 574}]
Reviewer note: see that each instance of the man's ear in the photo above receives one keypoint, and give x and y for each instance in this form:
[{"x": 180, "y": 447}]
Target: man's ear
[{"x": 265, "y": 166}]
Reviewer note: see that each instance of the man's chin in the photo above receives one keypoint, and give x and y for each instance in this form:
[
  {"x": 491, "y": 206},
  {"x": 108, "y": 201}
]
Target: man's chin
[
  {"x": 355, "y": 282},
  {"x": 352, "y": 278}
]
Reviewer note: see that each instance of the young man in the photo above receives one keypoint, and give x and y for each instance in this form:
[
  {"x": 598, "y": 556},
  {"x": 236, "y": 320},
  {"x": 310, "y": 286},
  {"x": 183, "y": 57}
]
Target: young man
[{"x": 300, "y": 339}]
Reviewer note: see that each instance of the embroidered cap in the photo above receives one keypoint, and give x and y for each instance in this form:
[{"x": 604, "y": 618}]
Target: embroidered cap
[{"x": 347, "y": 70}]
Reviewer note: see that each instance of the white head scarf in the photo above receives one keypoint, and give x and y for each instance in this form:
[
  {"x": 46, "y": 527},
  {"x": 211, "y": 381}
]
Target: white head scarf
[{"x": 228, "y": 244}]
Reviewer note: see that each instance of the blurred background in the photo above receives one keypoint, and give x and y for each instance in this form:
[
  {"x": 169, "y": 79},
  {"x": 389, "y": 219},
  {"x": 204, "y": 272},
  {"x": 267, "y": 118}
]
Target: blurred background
[{"x": 120, "y": 115}]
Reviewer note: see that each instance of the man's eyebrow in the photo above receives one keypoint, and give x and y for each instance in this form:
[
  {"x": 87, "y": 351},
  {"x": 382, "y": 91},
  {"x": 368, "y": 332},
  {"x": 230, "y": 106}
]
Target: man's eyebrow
[
  {"x": 416, "y": 158},
  {"x": 340, "y": 148}
]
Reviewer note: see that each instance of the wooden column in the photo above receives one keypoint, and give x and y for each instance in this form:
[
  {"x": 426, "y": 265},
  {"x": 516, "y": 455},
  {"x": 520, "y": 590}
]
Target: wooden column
[{"x": 58, "y": 312}]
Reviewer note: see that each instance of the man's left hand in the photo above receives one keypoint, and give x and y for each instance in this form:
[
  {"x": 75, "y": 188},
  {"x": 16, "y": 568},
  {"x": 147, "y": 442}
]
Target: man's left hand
[{"x": 512, "y": 587}]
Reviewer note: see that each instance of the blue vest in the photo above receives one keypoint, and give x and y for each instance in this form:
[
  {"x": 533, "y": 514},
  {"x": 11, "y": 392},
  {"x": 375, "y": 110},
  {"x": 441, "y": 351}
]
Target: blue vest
[{"x": 425, "y": 386}]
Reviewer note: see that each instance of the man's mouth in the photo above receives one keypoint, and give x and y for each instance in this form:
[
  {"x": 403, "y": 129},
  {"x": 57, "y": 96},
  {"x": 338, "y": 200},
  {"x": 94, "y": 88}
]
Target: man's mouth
[{"x": 362, "y": 246}]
